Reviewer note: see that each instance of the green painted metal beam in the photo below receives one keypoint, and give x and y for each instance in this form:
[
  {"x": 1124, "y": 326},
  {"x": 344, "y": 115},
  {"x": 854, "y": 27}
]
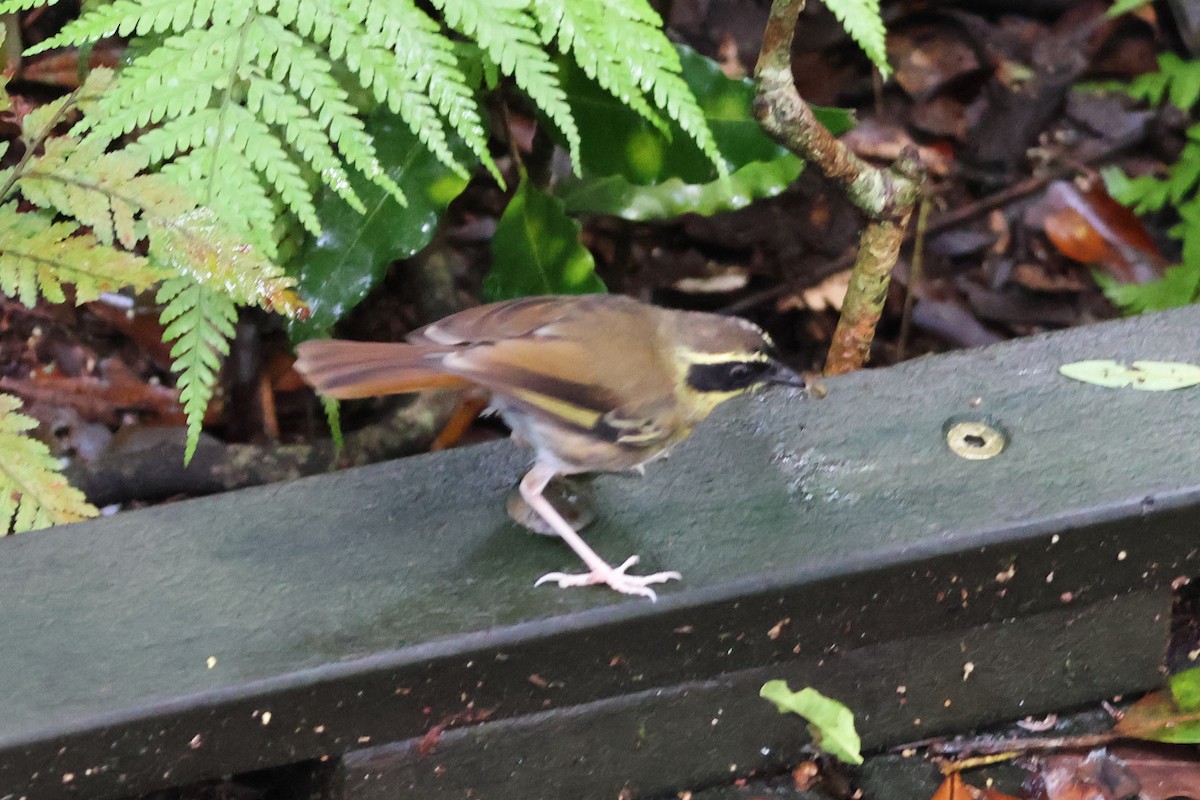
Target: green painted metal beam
[{"x": 335, "y": 613}]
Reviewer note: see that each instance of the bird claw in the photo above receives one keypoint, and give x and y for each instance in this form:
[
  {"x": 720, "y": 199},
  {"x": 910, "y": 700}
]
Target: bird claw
[{"x": 613, "y": 577}]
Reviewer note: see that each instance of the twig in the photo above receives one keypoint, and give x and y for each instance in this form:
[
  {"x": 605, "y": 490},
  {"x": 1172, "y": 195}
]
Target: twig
[
  {"x": 916, "y": 267},
  {"x": 992, "y": 744},
  {"x": 885, "y": 195},
  {"x": 948, "y": 220}
]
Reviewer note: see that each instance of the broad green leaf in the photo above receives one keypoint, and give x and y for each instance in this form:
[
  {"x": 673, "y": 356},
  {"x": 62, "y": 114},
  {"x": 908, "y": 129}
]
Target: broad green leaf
[
  {"x": 1125, "y": 6},
  {"x": 336, "y": 270},
  {"x": 830, "y": 723},
  {"x": 1167, "y": 716},
  {"x": 536, "y": 250},
  {"x": 1146, "y": 376},
  {"x": 1185, "y": 688},
  {"x": 632, "y": 169},
  {"x": 617, "y": 196}
]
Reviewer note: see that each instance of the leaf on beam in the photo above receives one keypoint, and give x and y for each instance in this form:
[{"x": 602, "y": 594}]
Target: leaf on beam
[
  {"x": 1146, "y": 376},
  {"x": 830, "y": 723}
]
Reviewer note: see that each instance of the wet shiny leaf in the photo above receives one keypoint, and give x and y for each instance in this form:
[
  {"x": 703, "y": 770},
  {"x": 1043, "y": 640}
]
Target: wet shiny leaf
[
  {"x": 536, "y": 250},
  {"x": 636, "y": 171},
  {"x": 336, "y": 270}
]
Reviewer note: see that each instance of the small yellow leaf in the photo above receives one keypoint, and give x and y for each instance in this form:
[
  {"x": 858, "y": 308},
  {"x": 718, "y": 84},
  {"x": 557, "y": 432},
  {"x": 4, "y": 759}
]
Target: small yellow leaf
[{"x": 1146, "y": 376}]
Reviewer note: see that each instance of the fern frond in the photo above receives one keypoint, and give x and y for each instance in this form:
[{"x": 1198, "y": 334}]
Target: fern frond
[
  {"x": 106, "y": 191},
  {"x": 609, "y": 59},
  {"x": 13, "y": 6},
  {"x": 38, "y": 256},
  {"x": 306, "y": 136},
  {"x": 337, "y": 25},
  {"x": 78, "y": 181},
  {"x": 508, "y": 35},
  {"x": 173, "y": 80},
  {"x": 296, "y": 64},
  {"x": 426, "y": 54},
  {"x": 200, "y": 322},
  {"x": 142, "y": 17},
  {"x": 247, "y": 207},
  {"x": 33, "y": 492},
  {"x": 245, "y": 133},
  {"x": 862, "y": 20}
]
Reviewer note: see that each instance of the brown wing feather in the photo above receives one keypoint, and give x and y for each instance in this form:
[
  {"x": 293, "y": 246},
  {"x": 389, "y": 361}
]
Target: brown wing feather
[
  {"x": 349, "y": 370},
  {"x": 574, "y": 376},
  {"x": 519, "y": 318}
]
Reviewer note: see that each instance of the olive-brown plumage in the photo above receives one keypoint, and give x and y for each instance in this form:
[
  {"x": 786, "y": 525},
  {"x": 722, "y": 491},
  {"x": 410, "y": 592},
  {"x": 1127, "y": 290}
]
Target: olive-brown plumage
[{"x": 591, "y": 382}]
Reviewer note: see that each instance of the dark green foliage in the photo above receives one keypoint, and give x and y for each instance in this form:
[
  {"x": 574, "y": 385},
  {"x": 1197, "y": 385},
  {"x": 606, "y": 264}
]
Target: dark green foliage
[
  {"x": 336, "y": 270},
  {"x": 640, "y": 171},
  {"x": 1176, "y": 82},
  {"x": 536, "y": 250}
]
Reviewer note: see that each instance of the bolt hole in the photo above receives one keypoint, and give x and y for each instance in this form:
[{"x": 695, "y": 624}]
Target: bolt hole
[{"x": 975, "y": 440}]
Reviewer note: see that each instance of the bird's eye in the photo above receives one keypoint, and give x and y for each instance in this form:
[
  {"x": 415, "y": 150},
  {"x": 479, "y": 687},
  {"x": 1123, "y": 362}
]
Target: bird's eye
[{"x": 739, "y": 371}]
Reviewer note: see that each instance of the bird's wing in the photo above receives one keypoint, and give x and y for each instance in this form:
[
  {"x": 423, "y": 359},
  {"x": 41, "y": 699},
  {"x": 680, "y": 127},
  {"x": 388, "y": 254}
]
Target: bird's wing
[
  {"x": 348, "y": 370},
  {"x": 510, "y": 319},
  {"x": 613, "y": 390}
]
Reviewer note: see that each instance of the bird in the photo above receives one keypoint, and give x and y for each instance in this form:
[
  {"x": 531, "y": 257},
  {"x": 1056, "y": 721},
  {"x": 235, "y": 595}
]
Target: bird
[{"x": 593, "y": 383}]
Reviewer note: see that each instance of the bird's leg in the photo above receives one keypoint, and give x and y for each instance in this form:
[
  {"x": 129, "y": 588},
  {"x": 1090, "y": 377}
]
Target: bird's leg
[{"x": 599, "y": 571}]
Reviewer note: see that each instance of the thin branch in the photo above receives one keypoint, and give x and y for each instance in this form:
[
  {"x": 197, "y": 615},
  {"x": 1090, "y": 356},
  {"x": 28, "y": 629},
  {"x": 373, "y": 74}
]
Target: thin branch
[
  {"x": 886, "y": 196},
  {"x": 947, "y": 220},
  {"x": 33, "y": 146}
]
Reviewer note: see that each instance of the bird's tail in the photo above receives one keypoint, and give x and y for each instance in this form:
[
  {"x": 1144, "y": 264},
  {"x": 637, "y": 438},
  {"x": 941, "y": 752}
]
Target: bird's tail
[{"x": 348, "y": 370}]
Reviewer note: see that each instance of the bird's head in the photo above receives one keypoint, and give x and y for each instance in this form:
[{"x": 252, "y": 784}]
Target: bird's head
[{"x": 722, "y": 357}]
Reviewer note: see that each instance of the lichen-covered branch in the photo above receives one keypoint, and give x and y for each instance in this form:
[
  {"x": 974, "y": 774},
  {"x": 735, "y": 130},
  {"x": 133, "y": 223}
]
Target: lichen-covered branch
[{"x": 886, "y": 196}]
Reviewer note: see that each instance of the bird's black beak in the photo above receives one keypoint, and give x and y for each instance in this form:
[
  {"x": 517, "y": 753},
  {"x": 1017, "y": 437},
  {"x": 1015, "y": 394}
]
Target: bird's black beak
[{"x": 785, "y": 376}]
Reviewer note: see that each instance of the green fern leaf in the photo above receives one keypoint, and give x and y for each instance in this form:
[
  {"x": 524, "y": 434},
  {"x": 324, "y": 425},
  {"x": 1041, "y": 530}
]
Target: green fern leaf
[
  {"x": 200, "y": 322},
  {"x": 608, "y": 59},
  {"x": 377, "y": 69},
  {"x": 13, "y": 6},
  {"x": 247, "y": 208},
  {"x": 862, "y": 20},
  {"x": 297, "y": 65},
  {"x": 431, "y": 59},
  {"x": 33, "y": 492},
  {"x": 80, "y": 180},
  {"x": 1143, "y": 193},
  {"x": 176, "y": 79},
  {"x": 1125, "y": 6},
  {"x": 38, "y": 256},
  {"x": 121, "y": 205},
  {"x": 142, "y": 17},
  {"x": 1152, "y": 86},
  {"x": 508, "y": 35},
  {"x": 1184, "y": 78},
  {"x": 621, "y": 46},
  {"x": 1186, "y": 170},
  {"x": 305, "y": 135},
  {"x": 120, "y": 18},
  {"x": 240, "y": 130}
]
